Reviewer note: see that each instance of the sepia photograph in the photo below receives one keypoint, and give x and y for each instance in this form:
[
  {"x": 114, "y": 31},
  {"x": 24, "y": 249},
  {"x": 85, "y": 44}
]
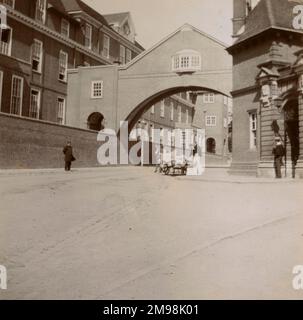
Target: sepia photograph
[{"x": 151, "y": 151}]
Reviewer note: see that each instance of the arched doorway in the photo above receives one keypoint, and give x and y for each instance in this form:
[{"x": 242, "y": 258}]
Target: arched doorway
[
  {"x": 291, "y": 116},
  {"x": 211, "y": 145},
  {"x": 95, "y": 121}
]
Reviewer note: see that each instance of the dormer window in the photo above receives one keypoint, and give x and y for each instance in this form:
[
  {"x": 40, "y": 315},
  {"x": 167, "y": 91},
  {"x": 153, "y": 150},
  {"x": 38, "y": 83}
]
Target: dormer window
[
  {"x": 41, "y": 11},
  {"x": 186, "y": 61}
]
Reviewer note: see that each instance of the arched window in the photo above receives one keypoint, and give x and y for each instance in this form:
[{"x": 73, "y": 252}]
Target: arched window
[
  {"x": 211, "y": 145},
  {"x": 95, "y": 121}
]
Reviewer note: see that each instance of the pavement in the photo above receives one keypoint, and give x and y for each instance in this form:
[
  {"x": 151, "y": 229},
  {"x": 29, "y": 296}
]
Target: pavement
[{"x": 127, "y": 233}]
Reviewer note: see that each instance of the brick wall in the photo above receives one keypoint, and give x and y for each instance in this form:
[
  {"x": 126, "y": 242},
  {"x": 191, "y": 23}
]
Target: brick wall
[{"x": 30, "y": 144}]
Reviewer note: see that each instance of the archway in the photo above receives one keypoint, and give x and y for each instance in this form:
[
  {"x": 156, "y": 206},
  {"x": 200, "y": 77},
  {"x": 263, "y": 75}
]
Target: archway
[
  {"x": 211, "y": 145},
  {"x": 95, "y": 121},
  {"x": 291, "y": 116},
  {"x": 138, "y": 110}
]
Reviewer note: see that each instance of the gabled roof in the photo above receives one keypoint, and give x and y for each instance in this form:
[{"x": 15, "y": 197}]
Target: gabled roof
[
  {"x": 118, "y": 18},
  {"x": 70, "y": 6},
  {"x": 276, "y": 14},
  {"x": 185, "y": 27}
]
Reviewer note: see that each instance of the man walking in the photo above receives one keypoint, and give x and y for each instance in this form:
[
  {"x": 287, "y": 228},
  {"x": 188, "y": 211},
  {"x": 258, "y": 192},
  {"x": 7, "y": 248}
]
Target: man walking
[
  {"x": 69, "y": 157},
  {"x": 278, "y": 152}
]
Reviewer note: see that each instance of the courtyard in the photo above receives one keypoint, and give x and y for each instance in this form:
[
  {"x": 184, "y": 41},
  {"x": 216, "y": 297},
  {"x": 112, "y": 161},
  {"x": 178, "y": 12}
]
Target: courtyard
[{"x": 127, "y": 233}]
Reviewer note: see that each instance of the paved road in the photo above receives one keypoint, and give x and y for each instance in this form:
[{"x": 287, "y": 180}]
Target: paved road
[{"x": 126, "y": 233}]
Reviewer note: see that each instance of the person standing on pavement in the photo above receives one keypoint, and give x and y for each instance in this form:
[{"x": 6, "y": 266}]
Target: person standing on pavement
[
  {"x": 68, "y": 156},
  {"x": 278, "y": 152}
]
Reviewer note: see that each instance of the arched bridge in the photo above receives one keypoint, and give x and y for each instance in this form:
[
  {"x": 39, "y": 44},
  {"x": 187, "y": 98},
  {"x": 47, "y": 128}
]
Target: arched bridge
[{"x": 188, "y": 59}]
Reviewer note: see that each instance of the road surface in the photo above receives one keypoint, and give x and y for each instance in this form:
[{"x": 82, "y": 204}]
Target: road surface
[{"x": 127, "y": 233}]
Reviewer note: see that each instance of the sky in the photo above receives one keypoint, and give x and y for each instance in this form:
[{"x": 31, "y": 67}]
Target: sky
[{"x": 155, "y": 19}]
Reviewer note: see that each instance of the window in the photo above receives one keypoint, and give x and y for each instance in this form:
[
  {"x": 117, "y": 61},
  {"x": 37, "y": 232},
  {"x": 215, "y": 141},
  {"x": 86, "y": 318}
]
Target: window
[
  {"x": 122, "y": 54},
  {"x": 65, "y": 26},
  {"x": 37, "y": 53},
  {"x": 179, "y": 113},
  {"x": 16, "y": 95},
  {"x": 6, "y": 41},
  {"x": 41, "y": 10},
  {"x": 9, "y": 3},
  {"x": 34, "y": 110},
  {"x": 63, "y": 60},
  {"x": 225, "y": 123},
  {"x": 1, "y": 86},
  {"x": 88, "y": 36},
  {"x": 61, "y": 110},
  {"x": 187, "y": 116},
  {"x": 152, "y": 110},
  {"x": 128, "y": 55},
  {"x": 253, "y": 130},
  {"x": 162, "y": 110},
  {"x": 97, "y": 89},
  {"x": 172, "y": 112},
  {"x": 211, "y": 121},
  {"x": 106, "y": 46},
  {"x": 209, "y": 98},
  {"x": 186, "y": 61},
  {"x": 225, "y": 100}
]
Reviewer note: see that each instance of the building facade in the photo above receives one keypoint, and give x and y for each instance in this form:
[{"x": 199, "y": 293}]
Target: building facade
[
  {"x": 267, "y": 86},
  {"x": 42, "y": 40},
  {"x": 213, "y": 112}
]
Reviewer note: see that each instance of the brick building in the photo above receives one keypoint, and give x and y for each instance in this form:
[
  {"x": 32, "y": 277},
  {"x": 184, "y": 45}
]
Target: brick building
[
  {"x": 205, "y": 110},
  {"x": 169, "y": 113},
  {"x": 42, "y": 40},
  {"x": 267, "y": 86}
]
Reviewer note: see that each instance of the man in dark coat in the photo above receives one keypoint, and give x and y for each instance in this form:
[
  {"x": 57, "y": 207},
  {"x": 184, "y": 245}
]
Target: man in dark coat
[
  {"x": 69, "y": 157},
  {"x": 278, "y": 152}
]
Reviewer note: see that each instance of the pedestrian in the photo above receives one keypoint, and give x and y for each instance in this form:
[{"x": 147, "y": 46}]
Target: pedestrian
[
  {"x": 69, "y": 157},
  {"x": 279, "y": 153}
]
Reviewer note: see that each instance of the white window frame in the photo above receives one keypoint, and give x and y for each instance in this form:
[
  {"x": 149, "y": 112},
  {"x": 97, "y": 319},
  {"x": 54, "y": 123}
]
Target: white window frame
[
  {"x": 63, "y": 110},
  {"x": 66, "y": 65},
  {"x": 209, "y": 97},
  {"x": 187, "y": 116},
  {"x": 253, "y": 130},
  {"x": 128, "y": 57},
  {"x": 40, "y": 10},
  {"x": 6, "y": 49},
  {"x": 122, "y": 54},
  {"x": 63, "y": 29},
  {"x": 38, "y": 103},
  {"x": 179, "y": 113},
  {"x": 162, "y": 109},
  {"x": 21, "y": 94},
  {"x": 106, "y": 46},
  {"x": 172, "y": 111},
  {"x": 40, "y": 60},
  {"x": 88, "y": 36},
  {"x": 152, "y": 110},
  {"x": 186, "y": 62},
  {"x": 9, "y": 3},
  {"x": 94, "y": 90},
  {"x": 225, "y": 100},
  {"x": 211, "y": 121},
  {"x": 1, "y": 88}
]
